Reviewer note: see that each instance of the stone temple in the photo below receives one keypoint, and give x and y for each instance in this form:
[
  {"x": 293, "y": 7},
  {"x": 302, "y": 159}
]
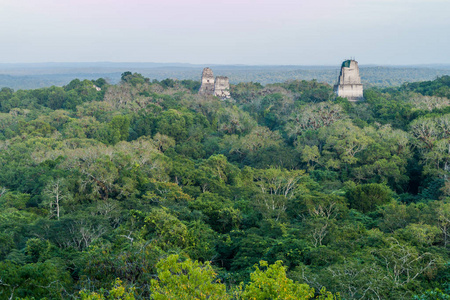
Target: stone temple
[
  {"x": 207, "y": 87},
  {"x": 219, "y": 87},
  {"x": 349, "y": 83},
  {"x": 222, "y": 87}
]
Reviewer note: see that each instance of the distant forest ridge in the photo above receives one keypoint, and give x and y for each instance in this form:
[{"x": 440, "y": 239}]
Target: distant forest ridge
[{"x": 37, "y": 75}]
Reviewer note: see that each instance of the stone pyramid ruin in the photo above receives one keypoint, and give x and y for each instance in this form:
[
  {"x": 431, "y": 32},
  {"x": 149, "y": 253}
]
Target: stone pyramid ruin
[
  {"x": 349, "y": 82},
  {"x": 219, "y": 87}
]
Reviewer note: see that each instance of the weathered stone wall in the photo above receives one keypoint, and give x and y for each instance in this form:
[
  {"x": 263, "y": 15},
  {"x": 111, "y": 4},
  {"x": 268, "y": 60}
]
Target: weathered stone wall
[
  {"x": 207, "y": 87},
  {"x": 353, "y": 92},
  {"x": 219, "y": 87},
  {"x": 349, "y": 82},
  {"x": 222, "y": 87}
]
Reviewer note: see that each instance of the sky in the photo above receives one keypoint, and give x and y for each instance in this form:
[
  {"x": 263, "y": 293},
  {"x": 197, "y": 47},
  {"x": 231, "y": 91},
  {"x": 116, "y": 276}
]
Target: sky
[{"x": 250, "y": 32}]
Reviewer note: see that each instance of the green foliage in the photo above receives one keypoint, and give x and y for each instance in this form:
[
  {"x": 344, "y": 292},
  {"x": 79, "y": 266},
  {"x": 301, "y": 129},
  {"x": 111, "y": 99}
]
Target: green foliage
[
  {"x": 6, "y": 244},
  {"x": 42, "y": 279},
  {"x": 172, "y": 123},
  {"x": 221, "y": 215},
  {"x": 439, "y": 87},
  {"x": 133, "y": 78},
  {"x": 99, "y": 181},
  {"x": 186, "y": 280},
  {"x": 118, "y": 129},
  {"x": 117, "y": 292},
  {"x": 272, "y": 283},
  {"x": 192, "y": 85},
  {"x": 366, "y": 197},
  {"x": 435, "y": 294}
]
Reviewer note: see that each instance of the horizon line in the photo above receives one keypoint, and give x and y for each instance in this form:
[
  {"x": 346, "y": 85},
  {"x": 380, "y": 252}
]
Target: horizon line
[{"x": 214, "y": 64}]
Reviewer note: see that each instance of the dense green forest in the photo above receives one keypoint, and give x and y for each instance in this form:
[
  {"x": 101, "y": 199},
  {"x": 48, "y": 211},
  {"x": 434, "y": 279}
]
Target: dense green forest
[{"x": 145, "y": 190}]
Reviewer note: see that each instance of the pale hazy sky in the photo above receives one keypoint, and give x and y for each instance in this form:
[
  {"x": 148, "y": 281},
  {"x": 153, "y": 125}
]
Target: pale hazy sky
[{"x": 313, "y": 32}]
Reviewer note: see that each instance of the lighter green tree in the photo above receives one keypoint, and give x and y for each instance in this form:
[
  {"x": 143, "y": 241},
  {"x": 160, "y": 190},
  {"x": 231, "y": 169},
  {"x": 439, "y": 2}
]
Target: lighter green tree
[
  {"x": 270, "y": 282},
  {"x": 186, "y": 280}
]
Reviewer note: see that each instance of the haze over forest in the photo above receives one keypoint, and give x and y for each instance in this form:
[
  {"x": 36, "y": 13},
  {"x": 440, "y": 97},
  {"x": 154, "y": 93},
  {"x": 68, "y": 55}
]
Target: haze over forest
[{"x": 29, "y": 76}]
